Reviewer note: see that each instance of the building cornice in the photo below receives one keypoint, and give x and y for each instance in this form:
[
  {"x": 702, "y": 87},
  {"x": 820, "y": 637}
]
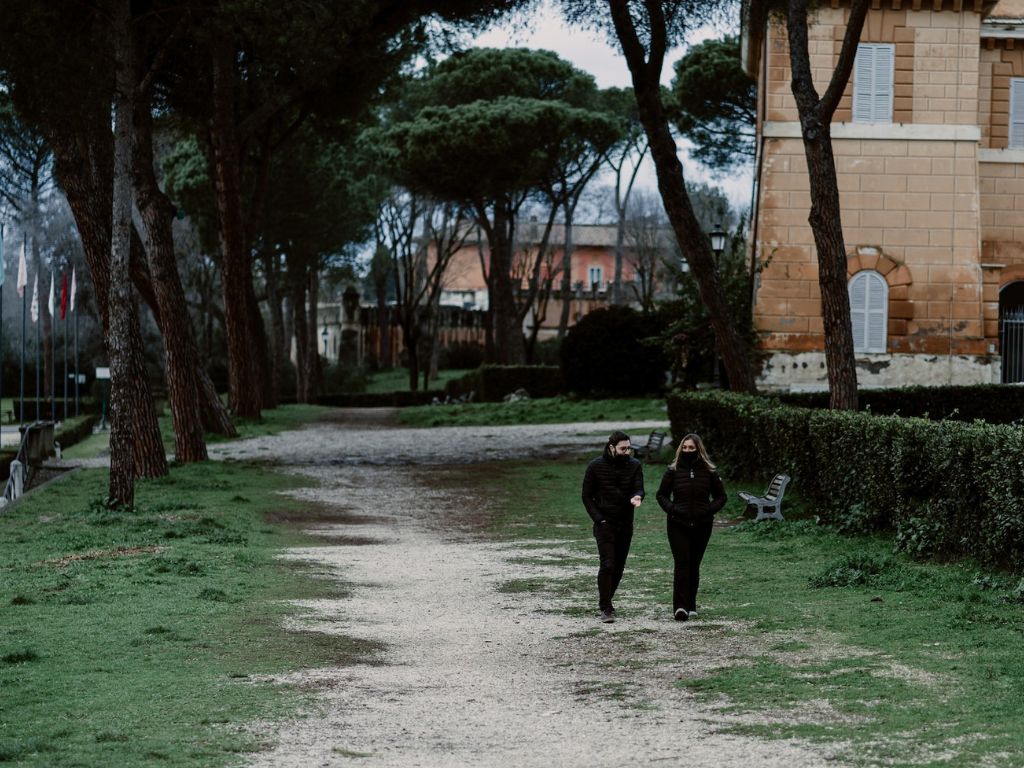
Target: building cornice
[{"x": 774, "y": 129}]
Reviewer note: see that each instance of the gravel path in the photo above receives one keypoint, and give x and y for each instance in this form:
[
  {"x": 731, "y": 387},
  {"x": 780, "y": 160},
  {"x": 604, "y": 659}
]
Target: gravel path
[{"x": 473, "y": 676}]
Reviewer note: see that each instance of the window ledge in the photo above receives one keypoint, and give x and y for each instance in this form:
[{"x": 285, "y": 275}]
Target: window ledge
[{"x": 774, "y": 129}]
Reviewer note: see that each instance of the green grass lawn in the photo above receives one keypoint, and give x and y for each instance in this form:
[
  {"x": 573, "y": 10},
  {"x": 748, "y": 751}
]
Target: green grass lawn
[
  {"x": 397, "y": 380},
  {"x": 917, "y": 663},
  {"x": 135, "y": 638},
  {"x": 552, "y": 410}
]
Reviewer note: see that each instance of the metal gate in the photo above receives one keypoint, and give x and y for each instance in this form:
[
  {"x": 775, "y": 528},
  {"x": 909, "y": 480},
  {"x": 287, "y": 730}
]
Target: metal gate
[{"x": 1011, "y": 343}]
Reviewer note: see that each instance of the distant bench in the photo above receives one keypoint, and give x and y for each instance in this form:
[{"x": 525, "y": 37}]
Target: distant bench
[
  {"x": 652, "y": 447},
  {"x": 771, "y": 499}
]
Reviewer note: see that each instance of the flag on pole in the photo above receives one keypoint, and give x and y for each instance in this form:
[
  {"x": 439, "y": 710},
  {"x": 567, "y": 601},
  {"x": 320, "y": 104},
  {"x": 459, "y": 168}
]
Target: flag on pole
[
  {"x": 34, "y": 309},
  {"x": 64, "y": 297},
  {"x": 74, "y": 289},
  {"x": 22, "y": 273},
  {"x": 49, "y": 304}
]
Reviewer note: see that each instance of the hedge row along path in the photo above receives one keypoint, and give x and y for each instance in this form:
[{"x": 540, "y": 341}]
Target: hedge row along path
[{"x": 471, "y": 675}]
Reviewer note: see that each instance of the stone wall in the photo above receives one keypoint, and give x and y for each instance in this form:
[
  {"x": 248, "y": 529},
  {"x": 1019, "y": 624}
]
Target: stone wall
[{"x": 910, "y": 196}]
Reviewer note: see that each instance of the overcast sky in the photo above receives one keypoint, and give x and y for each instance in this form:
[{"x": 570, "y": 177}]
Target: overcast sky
[{"x": 590, "y": 52}]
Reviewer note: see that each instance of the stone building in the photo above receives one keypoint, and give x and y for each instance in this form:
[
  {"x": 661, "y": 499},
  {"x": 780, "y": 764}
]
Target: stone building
[
  {"x": 592, "y": 271},
  {"x": 929, "y": 148}
]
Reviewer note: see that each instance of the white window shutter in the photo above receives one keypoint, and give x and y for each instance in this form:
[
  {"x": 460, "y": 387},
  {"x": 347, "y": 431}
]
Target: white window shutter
[
  {"x": 883, "y": 91},
  {"x": 863, "y": 66},
  {"x": 1016, "y": 113},
  {"x": 877, "y": 300},
  {"x": 869, "y": 311},
  {"x": 858, "y": 313},
  {"x": 873, "y": 75}
]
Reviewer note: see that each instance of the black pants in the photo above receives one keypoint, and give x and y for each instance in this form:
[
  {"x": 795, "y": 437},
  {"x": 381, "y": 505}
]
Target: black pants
[
  {"x": 688, "y": 542},
  {"x": 613, "y": 539}
]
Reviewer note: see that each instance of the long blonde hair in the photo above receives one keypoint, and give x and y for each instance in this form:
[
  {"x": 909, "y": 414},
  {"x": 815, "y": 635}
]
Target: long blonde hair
[{"x": 701, "y": 451}]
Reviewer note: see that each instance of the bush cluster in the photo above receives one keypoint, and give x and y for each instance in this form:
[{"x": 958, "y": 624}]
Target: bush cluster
[
  {"x": 75, "y": 430},
  {"x": 607, "y": 354},
  {"x": 491, "y": 383},
  {"x": 994, "y": 403},
  {"x": 945, "y": 488}
]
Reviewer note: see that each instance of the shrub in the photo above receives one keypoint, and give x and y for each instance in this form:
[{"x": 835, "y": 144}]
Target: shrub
[
  {"x": 947, "y": 489},
  {"x": 852, "y": 571},
  {"x": 346, "y": 379},
  {"x": 605, "y": 354},
  {"x": 994, "y": 403},
  {"x": 460, "y": 355},
  {"x": 490, "y": 383}
]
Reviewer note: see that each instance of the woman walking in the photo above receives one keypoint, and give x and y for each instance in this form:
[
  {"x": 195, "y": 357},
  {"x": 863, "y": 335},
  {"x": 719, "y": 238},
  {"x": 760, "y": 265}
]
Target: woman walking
[{"x": 691, "y": 492}]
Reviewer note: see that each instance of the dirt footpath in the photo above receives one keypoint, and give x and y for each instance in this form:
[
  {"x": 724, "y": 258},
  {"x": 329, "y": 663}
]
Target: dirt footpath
[{"x": 472, "y": 676}]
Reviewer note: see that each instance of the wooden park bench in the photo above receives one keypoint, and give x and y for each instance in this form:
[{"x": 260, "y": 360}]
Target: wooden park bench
[
  {"x": 652, "y": 447},
  {"x": 771, "y": 499}
]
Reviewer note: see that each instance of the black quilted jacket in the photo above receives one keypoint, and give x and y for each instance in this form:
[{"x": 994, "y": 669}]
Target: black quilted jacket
[
  {"x": 608, "y": 487},
  {"x": 691, "y": 495}
]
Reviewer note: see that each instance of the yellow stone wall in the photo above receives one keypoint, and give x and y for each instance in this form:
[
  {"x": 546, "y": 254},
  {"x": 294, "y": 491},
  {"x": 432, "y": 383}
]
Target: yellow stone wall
[{"x": 910, "y": 201}]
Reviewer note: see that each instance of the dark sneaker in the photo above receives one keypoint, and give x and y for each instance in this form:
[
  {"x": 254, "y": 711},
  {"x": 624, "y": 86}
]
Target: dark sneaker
[
  {"x": 608, "y": 616},
  {"x": 681, "y": 614}
]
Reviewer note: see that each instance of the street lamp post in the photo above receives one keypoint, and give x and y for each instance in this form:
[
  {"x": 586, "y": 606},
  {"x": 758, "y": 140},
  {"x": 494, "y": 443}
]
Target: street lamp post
[
  {"x": 717, "y": 237},
  {"x": 324, "y": 336}
]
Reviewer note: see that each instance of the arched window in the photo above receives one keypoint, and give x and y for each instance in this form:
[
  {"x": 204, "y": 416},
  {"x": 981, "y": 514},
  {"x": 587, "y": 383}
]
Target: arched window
[{"x": 869, "y": 304}]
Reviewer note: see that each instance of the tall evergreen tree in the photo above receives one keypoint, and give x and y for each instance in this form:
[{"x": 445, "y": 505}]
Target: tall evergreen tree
[{"x": 644, "y": 30}]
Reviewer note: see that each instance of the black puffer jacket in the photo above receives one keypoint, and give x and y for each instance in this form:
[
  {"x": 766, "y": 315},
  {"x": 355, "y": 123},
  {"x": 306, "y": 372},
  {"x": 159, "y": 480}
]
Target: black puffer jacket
[
  {"x": 691, "y": 496},
  {"x": 608, "y": 486}
]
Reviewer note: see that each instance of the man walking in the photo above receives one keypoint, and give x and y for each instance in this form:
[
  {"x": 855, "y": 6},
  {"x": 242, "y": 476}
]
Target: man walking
[{"x": 613, "y": 488}]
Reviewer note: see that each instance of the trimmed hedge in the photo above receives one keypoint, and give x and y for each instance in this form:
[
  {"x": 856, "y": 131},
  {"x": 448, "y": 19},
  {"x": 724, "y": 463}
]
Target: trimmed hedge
[
  {"x": 994, "y": 403},
  {"x": 492, "y": 383},
  {"x": 946, "y": 489},
  {"x": 75, "y": 430}
]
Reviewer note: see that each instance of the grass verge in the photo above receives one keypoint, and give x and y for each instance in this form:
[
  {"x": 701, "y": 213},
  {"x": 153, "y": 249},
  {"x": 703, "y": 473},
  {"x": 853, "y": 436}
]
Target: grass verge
[
  {"x": 397, "y": 380},
  {"x": 551, "y": 410},
  {"x": 814, "y": 635},
  {"x": 138, "y": 638}
]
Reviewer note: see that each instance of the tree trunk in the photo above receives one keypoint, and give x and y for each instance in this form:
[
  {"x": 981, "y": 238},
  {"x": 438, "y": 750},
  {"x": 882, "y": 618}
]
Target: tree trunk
[
  {"x": 301, "y": 330},
  {"x": 825, "y": 216},
  {"x": 182, "y": 356},
  {"x": 216, "y": 418},
  {"x": 384, "y": 327},
  {"x": 509, "y": 346},
  {"x": 563, "y": 318},
  {"x": 122, "y": 480},
  {"x": 314, "y": 370},
  {"x": 287, "y": 315},
  {"x": 693, "y": 242},
  {"x": 245, "y": 395},
  {"x": 618, "y": 295},
  {"x": 277, "y": 347},
  {"x": 411, "y": 339},
  {"x": 83, "y": 154}
]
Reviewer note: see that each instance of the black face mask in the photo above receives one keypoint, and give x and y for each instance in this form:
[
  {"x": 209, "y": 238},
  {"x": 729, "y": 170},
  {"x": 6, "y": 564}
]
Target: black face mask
[{"x": 689, "y": 459}]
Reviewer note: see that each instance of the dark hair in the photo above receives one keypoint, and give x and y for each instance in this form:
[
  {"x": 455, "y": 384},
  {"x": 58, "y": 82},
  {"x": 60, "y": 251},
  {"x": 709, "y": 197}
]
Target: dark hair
[{"x": 616, "y": 437}]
